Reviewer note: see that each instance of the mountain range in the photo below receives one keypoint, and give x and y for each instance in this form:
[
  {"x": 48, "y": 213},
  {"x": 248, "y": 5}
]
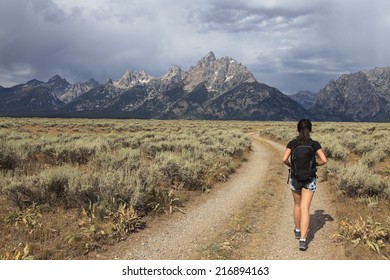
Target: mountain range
[
  {"x": 217, "y": 89},
  {"x": 360, "y": 96}
]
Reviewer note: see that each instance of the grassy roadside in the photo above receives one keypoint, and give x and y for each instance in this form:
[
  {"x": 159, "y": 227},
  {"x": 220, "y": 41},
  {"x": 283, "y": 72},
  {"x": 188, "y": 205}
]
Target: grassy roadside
[{"x": 69, "y": 187}]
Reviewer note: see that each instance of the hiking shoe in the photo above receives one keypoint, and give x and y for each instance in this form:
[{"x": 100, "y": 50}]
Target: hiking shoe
[
  {"x": 302, "y": 245},
  {"x": 297, "y": 233}
]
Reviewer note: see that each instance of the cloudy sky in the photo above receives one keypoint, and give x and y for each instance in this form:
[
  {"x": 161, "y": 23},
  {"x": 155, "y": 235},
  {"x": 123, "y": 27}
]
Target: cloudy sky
[{"x": 289, "y": 44}]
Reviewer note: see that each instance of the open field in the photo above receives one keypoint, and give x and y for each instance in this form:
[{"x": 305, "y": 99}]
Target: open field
[{"x": 72, "y": 186}]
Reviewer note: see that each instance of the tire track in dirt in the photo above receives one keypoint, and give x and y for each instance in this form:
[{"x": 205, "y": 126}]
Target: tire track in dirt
[{"x": 258, "y": 193}]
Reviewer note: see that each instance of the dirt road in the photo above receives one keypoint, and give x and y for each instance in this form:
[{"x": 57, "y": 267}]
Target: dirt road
[{"x": 247, "y": 217}]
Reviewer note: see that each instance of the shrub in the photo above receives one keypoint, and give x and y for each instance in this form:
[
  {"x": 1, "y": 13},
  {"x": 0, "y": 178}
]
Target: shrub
[
  {"x": 122, "y": 158},
  {"x": 357, "y": 180},
  {"x": 365, "y": 146},
  {"x": 333, "y": 148},
  {"x": 350, "y": 140},
  {"x": 332, "y": 170},
  {"x": 373, "y": 157},
  {"x": 22, "y": 194},
  {"x": 364, "y": 232},
  {"x": 8, "y": 158},
  {"x": 125, "y": 220},
  {"x": 54, "y": 184},
  {"x": 49, "y": 186}
]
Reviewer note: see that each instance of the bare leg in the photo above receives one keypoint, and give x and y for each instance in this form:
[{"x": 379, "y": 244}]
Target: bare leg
[
  {"x": 306, "y": 198},
  {"x": 297, "y": 209}
]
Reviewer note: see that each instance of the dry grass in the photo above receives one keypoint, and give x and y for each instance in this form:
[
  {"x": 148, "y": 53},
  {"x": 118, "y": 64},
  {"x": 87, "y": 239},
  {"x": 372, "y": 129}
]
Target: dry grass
[{"x": 71, "y": 186}]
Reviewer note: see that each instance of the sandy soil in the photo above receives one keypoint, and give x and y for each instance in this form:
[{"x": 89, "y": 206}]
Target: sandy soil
[{"x": 247, "y": 217}]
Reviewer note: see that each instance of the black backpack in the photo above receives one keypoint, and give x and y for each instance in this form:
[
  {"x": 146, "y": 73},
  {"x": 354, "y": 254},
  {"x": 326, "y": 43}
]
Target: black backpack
[{"x": 303, "y": 163}]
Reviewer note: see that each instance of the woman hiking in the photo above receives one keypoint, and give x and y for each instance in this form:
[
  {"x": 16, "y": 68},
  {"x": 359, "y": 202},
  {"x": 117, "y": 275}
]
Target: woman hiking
[{"x": 300, "y": 156}]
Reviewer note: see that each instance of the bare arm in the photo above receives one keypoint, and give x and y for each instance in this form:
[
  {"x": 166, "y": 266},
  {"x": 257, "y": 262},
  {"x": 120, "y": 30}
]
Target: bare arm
[
  {"x": 323, "y": 160},
  {"x": 286, "y": 156}
]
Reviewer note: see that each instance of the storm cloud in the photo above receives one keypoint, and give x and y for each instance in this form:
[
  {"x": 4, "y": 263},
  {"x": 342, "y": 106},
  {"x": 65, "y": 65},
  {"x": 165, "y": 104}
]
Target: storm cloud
[{"x": 291, "y": 45}]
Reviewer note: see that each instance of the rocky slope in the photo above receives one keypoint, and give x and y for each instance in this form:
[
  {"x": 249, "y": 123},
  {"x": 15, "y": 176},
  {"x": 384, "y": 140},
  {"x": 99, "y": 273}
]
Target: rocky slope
[
  {"x": 361, "y": 96},
  {"x": 37, "y": 98},
  {"x": 305, "y": 98}
]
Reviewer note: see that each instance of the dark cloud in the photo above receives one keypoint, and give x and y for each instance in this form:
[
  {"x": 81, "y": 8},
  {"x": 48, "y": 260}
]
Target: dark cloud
[
  {"x": 240, "y": 16},
  {"x": 41, "y": 39},
  {"x": 291, "y": 45},
  {"x": 32, "y": 35}
]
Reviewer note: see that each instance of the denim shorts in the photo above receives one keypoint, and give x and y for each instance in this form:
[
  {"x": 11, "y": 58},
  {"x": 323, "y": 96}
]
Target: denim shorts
[{"x": 297, "y": 186}]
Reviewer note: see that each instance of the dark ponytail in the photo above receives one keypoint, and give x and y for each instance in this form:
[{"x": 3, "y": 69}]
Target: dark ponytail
[{"x": 304, "y": 129}]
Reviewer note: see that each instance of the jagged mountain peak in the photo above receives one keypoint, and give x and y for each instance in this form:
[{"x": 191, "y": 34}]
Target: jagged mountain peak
[
  {"x": 207, "y": 60},
  {"x": 133, "y": 78},
  {"x": 218, "y": 75},
  {"x": 144, "y": 77},
  {"x": 56, "y": 78},
  {"x": 58, "y": 82},
  {"x": 381, "y": 72},
  {"x": 380, "y": 79},
  {"x": 92, "y": 82},
  {"x": 173, "y": 77},
  {"x": 174, "y": 71},
  {"x": 76, "y": 90},
  {"x": 57, "y": 85},
  {"x": 34, "y": 82}
]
